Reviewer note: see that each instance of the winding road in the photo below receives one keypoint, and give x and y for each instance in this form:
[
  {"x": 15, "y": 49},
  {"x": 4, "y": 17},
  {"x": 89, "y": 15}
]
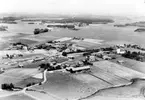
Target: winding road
[{"x": 25, "y": 89}]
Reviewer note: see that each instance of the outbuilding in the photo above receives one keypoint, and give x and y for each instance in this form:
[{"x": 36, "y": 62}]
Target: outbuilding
[{"x": 77, "y": 69}]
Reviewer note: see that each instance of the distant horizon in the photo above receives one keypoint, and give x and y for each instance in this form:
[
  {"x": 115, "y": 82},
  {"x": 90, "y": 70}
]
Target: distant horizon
[
  {"x": 19, "y": 14},
  {"x": 74, "y": 7}
]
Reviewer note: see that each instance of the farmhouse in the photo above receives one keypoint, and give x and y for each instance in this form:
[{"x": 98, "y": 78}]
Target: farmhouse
[
  {"x": 92, "y": 58},
  {"x": 105, "y": 57},
  {"x": 120, "y": 51},
  {"x": 38, "y": 59},
  {"x": 77, "y": 69}
]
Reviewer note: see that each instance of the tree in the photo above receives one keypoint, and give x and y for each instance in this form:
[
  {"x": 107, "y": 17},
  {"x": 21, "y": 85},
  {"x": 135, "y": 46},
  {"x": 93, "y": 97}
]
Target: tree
[
  {"x": 36, "y": 31},
  {"x": 44, "y": 66},
  {"x": 45, "y": 30},
  {"x": 64, "y": 53},
  {"x": 11, "y": 85}
]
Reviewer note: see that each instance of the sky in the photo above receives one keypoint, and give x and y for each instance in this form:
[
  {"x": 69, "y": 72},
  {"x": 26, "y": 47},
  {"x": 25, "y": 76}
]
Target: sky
[{"x": 96, "y": 7}]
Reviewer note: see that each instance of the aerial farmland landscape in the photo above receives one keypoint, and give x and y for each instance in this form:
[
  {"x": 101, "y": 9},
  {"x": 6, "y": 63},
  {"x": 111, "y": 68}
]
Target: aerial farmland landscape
[{"x": 72, "y": 50}]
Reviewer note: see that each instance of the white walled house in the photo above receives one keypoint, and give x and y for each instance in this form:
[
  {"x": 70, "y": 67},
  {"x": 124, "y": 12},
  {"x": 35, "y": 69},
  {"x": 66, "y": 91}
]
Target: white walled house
[{"x": 120, "y": 51}]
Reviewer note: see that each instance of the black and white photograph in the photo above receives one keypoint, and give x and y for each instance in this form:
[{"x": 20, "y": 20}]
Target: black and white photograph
[{"x": 72, "y": 49}]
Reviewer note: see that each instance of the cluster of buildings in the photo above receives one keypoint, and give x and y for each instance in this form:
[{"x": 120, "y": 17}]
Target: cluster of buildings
[
  {"x": 18, "y": 46},
  {"x": 73, "y": 51}
]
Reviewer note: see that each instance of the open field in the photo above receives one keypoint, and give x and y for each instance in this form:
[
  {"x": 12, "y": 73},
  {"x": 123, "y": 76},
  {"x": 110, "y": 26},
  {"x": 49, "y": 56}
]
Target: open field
[
  {"x": 11, "y": 52},
  {"x": 81, "y": 85},
  {"x": 108, "y": 77},
  {"x": 41, "y": 38},
  {"x": 134, "y": 90},
  {"x": 114, "y": 98},
  {"x": 132, "y": 64},
  {"x": 88, "y": 43},
  {"x": 96, "y": 41},
  {"x": 63, "y": 39},
  {"x": 25, "y": 41},
  {"x": 60, "y": 59},
  {"x": 33, "y": 65},
  {"x": 92, "y": 81},
  {"x": 24, "y": 82},
  {"x": 21, "y": 72},
  {"x": 8, "y": 79},
  {"x": 69, "y": 86},
  {"x": 20, "y": 77},
  {"x": 118, "y": 42},
  {"x": 19, "y": 96},
  {"x": 119, "y": 70},
  {"x": 85, "y": 44},
  {"x": 119, "y": 77},
  {"x": 43, "y": 96},
  {"x": 4, "y": 92},
  {"x": 6, "y": 66}
]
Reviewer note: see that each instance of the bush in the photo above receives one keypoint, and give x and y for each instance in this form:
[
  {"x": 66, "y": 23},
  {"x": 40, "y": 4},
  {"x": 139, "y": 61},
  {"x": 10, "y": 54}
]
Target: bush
[
  {"x": 44, "y": 66},
  {"x": 30, "y": 84},
  {"x": 64, "y": 53},
  {"x": 36, "y": 31},
  {"x": 7, "y": 86}
]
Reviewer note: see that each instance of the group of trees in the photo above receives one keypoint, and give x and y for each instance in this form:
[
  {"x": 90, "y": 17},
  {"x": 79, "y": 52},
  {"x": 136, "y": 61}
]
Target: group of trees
[
  {"x": 64, "y": 53},
  {"x": 107, "y": 49},
  {"x": 87, "y": 62},
  {"x": 7, "y": 86},
  {"x": 43, "y": 46},
  {"x": 19, "y": 43},
  {"x": 86, "y": 53},
  {"x": 30, "y": 84},
  {"x": 38, "y": 31},
  {"x": 50, "y": 67},
  {"x": 62, "y": 26},
  {"x": 44, "y": 65},
  {"x": 134, "y": 55},
  {"x": 134, "y": 46}
]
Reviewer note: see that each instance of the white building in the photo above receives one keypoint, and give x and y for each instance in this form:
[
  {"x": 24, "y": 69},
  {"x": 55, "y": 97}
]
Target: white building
[
  {"x": 78, "y": 68},
  {"x": 120, "y": 51}
]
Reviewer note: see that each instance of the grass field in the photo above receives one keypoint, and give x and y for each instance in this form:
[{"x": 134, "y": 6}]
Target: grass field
[
  {"x": 108, "y": 77},
  {"x": 80, "y": 85},
  {"x": 132, "y": 64},
  {"x": 43, "y": 96},
  {"x": 17, "y": 97},
  {"x": 119, "y": 70},
  {"x": 114, "y": 98},
  {"x": 65, "y": 86},
  {"x": 86, "y": 44},
  {"x": 20, "y": 77},
  {"x": 24, "y": 82},
  {"x": 8, "y": 79},
  {"x": 91, "y": 81},
  {"x": 134, "y": 90},
  {"x": 21, "y": 72}
]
